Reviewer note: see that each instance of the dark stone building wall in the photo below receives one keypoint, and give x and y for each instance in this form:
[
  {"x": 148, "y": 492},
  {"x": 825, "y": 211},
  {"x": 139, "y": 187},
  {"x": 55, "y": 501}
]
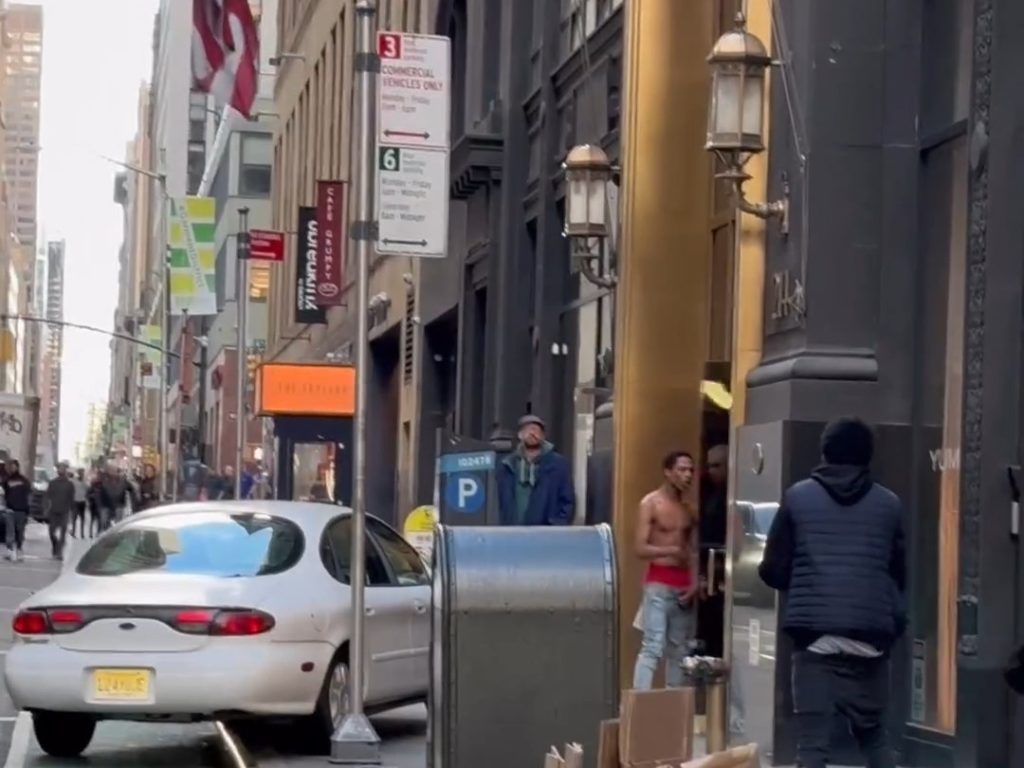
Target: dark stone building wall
[
  {"x": 897, "y": 128},
  {"x": 493, "y": 311}
]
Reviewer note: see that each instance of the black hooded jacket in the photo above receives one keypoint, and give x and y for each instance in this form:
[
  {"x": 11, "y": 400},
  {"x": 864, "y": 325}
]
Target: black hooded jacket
[{"x": 836, "y": 548}]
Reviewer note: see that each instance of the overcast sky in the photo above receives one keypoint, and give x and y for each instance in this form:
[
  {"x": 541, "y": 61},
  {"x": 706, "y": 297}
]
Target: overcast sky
[{"x": 95, "y": 56}]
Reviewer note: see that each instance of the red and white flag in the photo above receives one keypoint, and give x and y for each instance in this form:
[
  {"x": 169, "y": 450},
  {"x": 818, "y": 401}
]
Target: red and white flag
[{"x": 226, "y": 52}]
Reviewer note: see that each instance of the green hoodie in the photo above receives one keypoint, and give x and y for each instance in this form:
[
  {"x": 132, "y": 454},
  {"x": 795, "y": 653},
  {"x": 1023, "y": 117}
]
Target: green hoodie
[{"x": 525, "y": 472}]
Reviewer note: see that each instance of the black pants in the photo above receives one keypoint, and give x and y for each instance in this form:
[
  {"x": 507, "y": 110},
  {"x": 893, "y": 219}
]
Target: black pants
[
  {"x": 853, "y": 687},
  {"x": 78, "y": 518}
]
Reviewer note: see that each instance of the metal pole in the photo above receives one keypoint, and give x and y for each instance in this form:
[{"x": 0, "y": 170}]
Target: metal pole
[
  {"x": 165, "y": 361},
  {"x": 356, "y": 742},
  {"x": 201, "y": 416},
  {"x": 130, "y": 397},
  {"x": 178, "y": 407},
  {"x": 242, "y": 300},
  {"x": 165, "y": 332}
]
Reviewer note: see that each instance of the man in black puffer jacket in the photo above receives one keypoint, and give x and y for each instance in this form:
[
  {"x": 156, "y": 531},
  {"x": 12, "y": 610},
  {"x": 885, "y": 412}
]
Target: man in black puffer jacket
[{"x": 836, "y": 548}]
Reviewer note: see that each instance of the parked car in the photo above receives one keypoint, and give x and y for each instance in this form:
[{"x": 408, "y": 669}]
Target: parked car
[{"x": 219, "y": 610}]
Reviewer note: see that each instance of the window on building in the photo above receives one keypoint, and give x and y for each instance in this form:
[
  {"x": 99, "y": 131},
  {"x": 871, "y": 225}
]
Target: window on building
[
  {"x": 259, "y": 281},
  {"x": 580, "y": 18},
  {"x": 255, "y": 168},
  {"x": 196, "y": 165}
]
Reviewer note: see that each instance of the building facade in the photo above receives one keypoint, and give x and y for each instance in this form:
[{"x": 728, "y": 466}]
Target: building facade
[
  {"x": 23, "y": 61},
  {"x": 312, "y": 143},
  {"x": 238, "y": 176},
  {"x": 132, "y": 191}
]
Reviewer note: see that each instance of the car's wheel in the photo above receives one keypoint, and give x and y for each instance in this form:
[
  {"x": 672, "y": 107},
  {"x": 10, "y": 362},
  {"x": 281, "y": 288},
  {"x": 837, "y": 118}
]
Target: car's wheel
[
  {"x": 331, "y": 706},
  {"x": 63, "y": 734}
]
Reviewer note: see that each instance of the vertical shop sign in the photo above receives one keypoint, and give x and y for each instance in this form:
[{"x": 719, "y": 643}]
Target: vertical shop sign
[
  {"x": 330, "y": 262},
  {"x": 307, "y": 312}
]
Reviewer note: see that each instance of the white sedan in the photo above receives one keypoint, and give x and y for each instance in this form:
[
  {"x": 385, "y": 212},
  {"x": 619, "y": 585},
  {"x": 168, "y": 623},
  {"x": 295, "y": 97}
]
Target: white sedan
[{"x": 219, "y": 610}]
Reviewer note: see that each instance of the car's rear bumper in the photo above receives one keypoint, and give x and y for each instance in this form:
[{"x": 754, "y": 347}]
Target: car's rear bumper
[{"x": 258, "y": 679}]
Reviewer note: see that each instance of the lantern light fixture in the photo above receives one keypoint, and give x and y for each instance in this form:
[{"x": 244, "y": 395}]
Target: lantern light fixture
[{"x": 739, "y": 63}]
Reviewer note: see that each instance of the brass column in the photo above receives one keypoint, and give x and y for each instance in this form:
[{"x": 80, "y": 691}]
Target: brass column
[{"x": 662, "y": 296}]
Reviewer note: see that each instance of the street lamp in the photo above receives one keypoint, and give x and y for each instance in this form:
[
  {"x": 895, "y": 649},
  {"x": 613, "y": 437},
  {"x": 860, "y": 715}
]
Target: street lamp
[
  {"x": 588, "y": 177},
  {"x": 739, "y": 62}
]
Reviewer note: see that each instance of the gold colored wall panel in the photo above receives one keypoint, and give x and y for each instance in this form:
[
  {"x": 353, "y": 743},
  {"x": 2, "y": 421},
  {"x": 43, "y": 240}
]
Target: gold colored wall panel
[{"x": 662, "y": 295}]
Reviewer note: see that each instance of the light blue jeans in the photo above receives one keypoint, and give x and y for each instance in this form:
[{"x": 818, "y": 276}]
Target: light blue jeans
[{"x": 668, "y": 630}]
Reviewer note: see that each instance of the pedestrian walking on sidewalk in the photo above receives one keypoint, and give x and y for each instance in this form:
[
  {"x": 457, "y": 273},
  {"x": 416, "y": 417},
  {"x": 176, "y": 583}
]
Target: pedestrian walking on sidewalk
[
  {"x": 81, "y": 497},
  {"x": 836, "y": 547},
  {"x": 114, "y": 493},
  {"x": 59, "y": 503},
  {"x": 17, "y": 490},
  {"x": 666, "y": 538}
]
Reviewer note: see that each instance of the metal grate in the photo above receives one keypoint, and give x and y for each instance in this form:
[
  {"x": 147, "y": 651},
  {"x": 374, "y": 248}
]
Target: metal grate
[{"x": 408, "y": 336}]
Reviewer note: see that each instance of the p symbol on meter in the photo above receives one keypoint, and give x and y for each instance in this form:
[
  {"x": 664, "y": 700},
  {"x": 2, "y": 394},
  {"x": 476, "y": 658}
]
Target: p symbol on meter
[
  {"x": 467, "y": 490},
  {"x": 465, "y": 493}
]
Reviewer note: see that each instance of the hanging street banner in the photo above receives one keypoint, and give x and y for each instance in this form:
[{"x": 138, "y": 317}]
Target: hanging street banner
[
  {"x": 150, "y": 358},
  {"x": 193, "y": 258},
  {"x": 413, "y": 139},
  {"x": 266, "y": 245},
  {"x": 331, "y": 220},
  {"x": 307, "y": 312}
]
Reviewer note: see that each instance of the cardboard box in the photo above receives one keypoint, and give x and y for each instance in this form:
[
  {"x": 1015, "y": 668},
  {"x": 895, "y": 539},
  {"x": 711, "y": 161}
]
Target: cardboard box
[
  {"x": 573, "y": 757},
  {"x": 656, "y": 727},
  {"x": 608, "y": 745},
  {"x": 737, "y": 757}
]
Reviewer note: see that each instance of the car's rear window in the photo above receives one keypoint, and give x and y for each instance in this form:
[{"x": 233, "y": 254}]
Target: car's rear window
[{"x": 198, "y": 543}]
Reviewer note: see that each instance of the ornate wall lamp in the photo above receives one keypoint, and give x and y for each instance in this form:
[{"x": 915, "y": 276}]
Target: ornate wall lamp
[
  {"x": 739, "y": 61},
  {"x": 588, "y": 176}
]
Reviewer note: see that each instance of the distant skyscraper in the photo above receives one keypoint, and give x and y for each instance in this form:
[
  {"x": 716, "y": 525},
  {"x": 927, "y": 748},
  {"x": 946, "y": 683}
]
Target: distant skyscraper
[
  {"x": 23, "y": 58},
  {"x": 49, "y": 417}
]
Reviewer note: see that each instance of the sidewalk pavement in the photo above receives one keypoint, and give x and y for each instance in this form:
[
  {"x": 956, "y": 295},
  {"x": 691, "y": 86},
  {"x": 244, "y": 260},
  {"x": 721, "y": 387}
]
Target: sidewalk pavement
[{"x": 403, "y": 743}]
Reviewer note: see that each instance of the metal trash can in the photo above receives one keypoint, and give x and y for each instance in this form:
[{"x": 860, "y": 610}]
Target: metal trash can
[
  {"x": 712, "y": 675},
  {"x": 524, "y": 646}
]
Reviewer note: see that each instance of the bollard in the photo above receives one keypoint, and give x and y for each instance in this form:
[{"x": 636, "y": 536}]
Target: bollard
[
  {"x": 711, "y": 674},
  {"x": 524, "y": 643}
]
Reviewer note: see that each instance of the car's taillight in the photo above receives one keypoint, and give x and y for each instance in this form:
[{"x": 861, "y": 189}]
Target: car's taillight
[
  {"x": 239, "y": 623},
  {"x": 63, "y": 620},
  {"x": 31, "y": 623},
  {"x": 193, "y": 622},
  {"x": 229, "y": 622}
]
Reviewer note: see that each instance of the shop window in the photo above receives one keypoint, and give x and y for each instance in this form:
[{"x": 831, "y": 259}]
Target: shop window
[
  {"x": 935, "y": 530},
  {"x": 313, "y": 472}
]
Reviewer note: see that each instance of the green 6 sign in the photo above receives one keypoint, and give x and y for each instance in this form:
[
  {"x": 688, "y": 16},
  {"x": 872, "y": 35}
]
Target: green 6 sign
[{"x": 389, "y": 159}]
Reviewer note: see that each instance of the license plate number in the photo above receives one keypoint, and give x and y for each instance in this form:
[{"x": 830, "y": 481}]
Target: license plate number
[{"x": 120, "y": 684}]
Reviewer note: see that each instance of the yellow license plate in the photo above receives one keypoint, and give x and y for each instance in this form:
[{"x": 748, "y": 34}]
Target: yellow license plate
[{"x": 120, "y": 684}]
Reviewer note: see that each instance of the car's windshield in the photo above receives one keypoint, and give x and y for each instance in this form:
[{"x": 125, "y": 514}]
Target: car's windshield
[{"x": 198, "y": 543}]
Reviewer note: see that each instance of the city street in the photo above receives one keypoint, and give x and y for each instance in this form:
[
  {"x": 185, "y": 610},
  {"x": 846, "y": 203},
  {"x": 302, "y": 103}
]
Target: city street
[{"x": 129, "y": 745}]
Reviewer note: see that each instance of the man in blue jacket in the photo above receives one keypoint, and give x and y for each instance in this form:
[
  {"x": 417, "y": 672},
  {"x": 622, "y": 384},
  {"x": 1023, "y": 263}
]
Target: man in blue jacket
[
  {"x": 836, "y": 548},
  {"x": 534, "y": 481}
]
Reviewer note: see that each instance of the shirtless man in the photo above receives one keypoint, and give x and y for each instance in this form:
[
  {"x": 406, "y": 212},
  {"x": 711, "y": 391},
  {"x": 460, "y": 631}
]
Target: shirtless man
[{"x": 665, "y": 538}]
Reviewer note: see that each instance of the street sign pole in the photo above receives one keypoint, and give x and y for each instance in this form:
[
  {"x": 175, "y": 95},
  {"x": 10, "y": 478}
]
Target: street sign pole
[
  {"x": 242, "y": 300},
  {"x": 355, "y": 742}
]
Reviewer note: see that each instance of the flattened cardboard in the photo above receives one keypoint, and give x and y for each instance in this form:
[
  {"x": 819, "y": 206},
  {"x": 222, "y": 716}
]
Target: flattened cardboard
[
  {"x": 608, "y": 744},
  {"x": 737, "y": 757},
  {"x": 573, "y": 755},
  {"x": 553, "y": 760},
  {"x": 656, "y": 726}
]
